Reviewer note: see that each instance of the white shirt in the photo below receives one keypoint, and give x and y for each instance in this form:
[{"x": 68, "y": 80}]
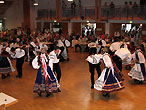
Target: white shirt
[
  {"x": 19, "y": 53},
  {"x": 115, "y": 46},
  {"x": 53, "y": 56},
  {"x": 103, "y": 42},
  {"x": 92, "y": 45},
  {"x": 123, "y": 53},
  {"x": 94, "y": 59},
  {"x": 61, "y": 44},
  {"x": 107, "y": 61}
]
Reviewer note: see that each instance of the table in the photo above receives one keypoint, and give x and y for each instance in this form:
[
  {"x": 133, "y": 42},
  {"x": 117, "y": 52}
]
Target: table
[{"x": 6, "y": 100}]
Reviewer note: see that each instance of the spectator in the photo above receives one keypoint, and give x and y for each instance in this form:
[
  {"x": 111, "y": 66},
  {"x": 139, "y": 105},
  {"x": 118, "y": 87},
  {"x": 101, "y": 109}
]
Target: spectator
[
  {"x": 63, "y": 5},
  {"x": 112, "y": 9},
  {"x": 125, "y": 10},
  {"x": 105, "y": 9},
  {"x": 73, "y": 7},
  {"x": 130, "y": 10}
]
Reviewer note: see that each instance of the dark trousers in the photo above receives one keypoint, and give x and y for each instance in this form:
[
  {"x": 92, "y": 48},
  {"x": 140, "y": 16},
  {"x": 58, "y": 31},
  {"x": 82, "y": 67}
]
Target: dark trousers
[
  {"x": 91, "y": 69},
  {"x": 56, "y": 68},
  {"x": 76, "y": 46},
  {"x": 118, "y": 61},
  {"x": 19, "y": 64}
]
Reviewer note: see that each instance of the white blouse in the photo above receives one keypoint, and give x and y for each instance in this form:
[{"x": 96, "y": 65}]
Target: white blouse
[{"x": 107, "y": 60}]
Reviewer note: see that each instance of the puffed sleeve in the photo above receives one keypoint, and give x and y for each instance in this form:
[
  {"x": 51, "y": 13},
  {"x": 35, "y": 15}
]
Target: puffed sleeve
[
  {"x": 35, "y": 64},
  {"x": 107, "y": 61}
]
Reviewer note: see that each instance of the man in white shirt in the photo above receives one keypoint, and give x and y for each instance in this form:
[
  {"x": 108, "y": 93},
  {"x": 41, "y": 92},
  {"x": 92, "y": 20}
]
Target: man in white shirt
[
  {"x": 56, "y": 68},
  {"x": 120, "y": 55},
  {"x": 94, "y": 62},
  {"x": 63, "y": 44},
  {"x": 19, "y": 55},
  {"x": 114, "y": 46}
]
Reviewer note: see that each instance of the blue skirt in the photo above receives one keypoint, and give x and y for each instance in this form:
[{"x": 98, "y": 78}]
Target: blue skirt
[
  {"x": 42, "y": 85},
  {"x": 109, "y": 81}
]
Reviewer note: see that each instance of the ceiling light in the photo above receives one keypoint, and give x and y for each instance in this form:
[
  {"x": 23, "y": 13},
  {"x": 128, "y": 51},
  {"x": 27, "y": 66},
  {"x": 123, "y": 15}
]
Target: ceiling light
[
  {"x": 35, "y": 4},
  {"x": 55, "y": 21},
  {"x": 2, "y": 1},
  {"x": 70, "y": 0},
  {"x": 87, "y": 21}
]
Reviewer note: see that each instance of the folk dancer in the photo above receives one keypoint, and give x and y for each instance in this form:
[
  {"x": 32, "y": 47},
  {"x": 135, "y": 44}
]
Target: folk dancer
[
  {"x": 120, "y": 56},
  {"x": 63, "y": 44},
  {"x": 56, "y": 67},
  {"x": 114, "y": 46},
  {"x": 5, "y": 66},
  {"x": 138, "y": 72},
  {"x": 19, "y": 54},
  {"x": 94, "y": 63},
  {"x": 45, "y": 80},
  {"x": 109, "y": 79}
]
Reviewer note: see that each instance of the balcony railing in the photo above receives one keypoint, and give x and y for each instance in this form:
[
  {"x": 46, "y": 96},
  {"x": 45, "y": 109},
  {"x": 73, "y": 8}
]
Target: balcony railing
[
  {"x": 45, "y": 14},
  {"x": 89, "y": 13},
  {"x": 120, "y": 11},
  {"x": 78, "y": 12},
  {"x": 68, "y": 12}
]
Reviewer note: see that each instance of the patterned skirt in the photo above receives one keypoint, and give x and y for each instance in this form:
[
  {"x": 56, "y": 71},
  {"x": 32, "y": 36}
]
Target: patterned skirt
[
  {"x": 4, "y": 65},
  {"x": 42, "y": 85},
  {"x": 109, "y": 81},
  {"x": 138, "y": 72}
]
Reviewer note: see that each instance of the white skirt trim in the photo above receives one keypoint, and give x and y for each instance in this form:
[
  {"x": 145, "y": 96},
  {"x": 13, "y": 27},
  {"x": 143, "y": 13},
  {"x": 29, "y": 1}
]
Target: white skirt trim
[{"x": 136, "y": 73}]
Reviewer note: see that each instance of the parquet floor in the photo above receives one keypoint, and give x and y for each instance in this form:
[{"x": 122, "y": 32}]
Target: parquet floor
[{"x": 75, "y": 90}]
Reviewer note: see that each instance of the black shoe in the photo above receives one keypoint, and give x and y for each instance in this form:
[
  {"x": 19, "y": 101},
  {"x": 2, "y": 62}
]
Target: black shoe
[
  {"x": 18, "y": 76},
  {"x": 106, "y": 94},
  {"x": 47, "y": 95},
  {"x": 40, "y": 94},
  {"x": 3, "y": 76},
  {"x": 59, "y": 90},
  {"x": 136, "y": 81},
  {"x": 140, "y": 82},
  {"x": 8, "y": 75},
  {"x": 92, "y": 87}
]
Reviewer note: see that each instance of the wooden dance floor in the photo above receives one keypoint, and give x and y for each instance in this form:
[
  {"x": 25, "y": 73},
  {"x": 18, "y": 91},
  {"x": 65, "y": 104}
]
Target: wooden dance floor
[{"x": 75, "y": 90}]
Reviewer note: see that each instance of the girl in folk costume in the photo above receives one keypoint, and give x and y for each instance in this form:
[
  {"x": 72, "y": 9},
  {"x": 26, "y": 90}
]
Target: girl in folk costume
[
  {"x": 109, "y": 79},
  {"x": 5, "y": 65},
  {"x": 45, "y": 80},
  {"x": 138, "y": 72}
]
